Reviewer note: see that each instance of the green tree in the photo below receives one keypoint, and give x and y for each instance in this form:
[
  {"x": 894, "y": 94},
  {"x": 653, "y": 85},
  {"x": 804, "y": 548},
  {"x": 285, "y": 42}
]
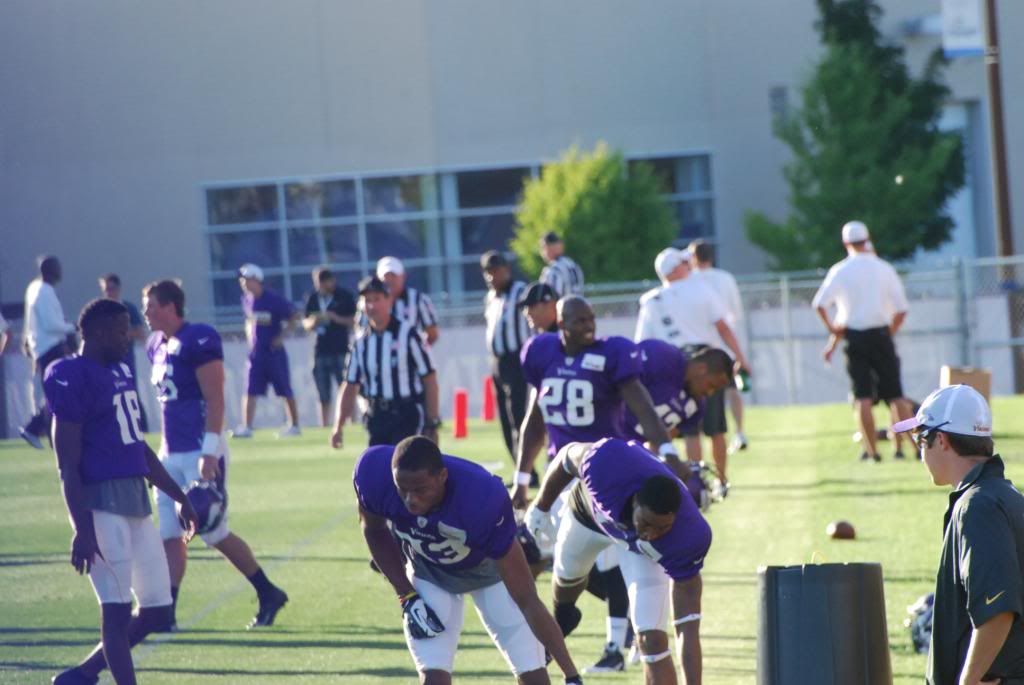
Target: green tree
[
  {"x": 865, "y": 145},
  {"x": 613, "y": 222}
]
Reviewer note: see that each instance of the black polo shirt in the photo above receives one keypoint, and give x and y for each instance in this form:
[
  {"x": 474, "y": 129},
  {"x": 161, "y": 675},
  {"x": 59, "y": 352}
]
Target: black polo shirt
[
  {"x": 331, "y": 338},
  {"x": 981, "y": 573}
]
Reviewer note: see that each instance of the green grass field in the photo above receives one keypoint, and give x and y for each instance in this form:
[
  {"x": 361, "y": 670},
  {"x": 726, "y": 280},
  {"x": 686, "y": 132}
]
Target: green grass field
[{"x": 293, "y": 502}]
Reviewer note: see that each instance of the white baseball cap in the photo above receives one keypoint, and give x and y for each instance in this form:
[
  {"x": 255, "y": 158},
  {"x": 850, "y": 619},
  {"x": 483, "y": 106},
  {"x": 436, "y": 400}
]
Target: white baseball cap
[
  {"x": 389, "y": 265},
  {"x": 855, "y": 232},
  {"x": 958, "y": 409},
  {"x": 251, "y": 271},
  {"x": 667, "y": 261}
]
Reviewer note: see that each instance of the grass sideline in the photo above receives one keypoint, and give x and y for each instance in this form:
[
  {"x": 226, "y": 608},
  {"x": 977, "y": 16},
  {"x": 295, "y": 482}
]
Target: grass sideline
[{"x": 293, "y": 501}]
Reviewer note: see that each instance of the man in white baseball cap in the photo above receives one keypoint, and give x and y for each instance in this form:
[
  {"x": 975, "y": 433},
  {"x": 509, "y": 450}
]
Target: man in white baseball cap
[
  {"x": 410, "y": 304},
  {"x": 690, "y": 315},
  {"x": 979, "y": 589},
  {"x": 870, "y": 307}
]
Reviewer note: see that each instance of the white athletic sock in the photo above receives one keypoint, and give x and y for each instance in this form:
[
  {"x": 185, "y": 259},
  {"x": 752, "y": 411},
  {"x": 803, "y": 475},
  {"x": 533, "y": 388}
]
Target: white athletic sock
[{"x": 616, "y": 631}]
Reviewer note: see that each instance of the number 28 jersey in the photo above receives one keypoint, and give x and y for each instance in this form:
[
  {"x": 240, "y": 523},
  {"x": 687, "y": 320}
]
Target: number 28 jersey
[
  {"x": 175, "y": 361},
  {"x": 103, "y": 400},
  {"x": 579, "y": 396}
]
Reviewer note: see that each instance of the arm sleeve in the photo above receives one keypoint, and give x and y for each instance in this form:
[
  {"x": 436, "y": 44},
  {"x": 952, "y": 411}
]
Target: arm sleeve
[
  {"x": 527, "y": 361},
  {"x": 428, "y": 316},
  {"x": 496, "y": 535},
  {"x": 645, "y": 323},
  {"x": 353, "y": 372},
  {"x": 48, "y": 314},
  {"x": 735, "y": 301},
  {"x": 203, "y": 346},
  {"x": 717, "y": 310},
  {"x": 370, "y": 480},
  {"x": 65, "y": 394},
  {"x": 989, "y": 568},
  {"x": 420, "y": 355},
  {"x": 625, "y": 362},
  {"x": 826, "y": 293},
  {"x": 897, "y": 293}
]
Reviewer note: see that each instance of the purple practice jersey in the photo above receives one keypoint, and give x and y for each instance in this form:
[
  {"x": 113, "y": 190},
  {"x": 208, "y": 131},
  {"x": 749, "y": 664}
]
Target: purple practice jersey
[
  {"x": 175, "y": 361},
  {"x": 664, "y": 376},
  {"x": 611, "y": 473},
  {"x": 454, "y": 546},
  {"x": 268, "y": 312},
  {"x": 579, "y": 396},
  {"x": 103, "y": 400}
]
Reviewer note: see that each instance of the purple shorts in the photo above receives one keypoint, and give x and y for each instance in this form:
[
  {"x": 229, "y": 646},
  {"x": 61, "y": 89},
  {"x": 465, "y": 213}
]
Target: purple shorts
[{"x": 269, "y": 368}]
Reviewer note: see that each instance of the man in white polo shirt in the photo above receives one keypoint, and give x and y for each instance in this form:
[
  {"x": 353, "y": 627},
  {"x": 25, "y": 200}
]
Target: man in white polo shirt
[
  {"x": 871, "y": 306},
  {"x": 687, "y": 313}
]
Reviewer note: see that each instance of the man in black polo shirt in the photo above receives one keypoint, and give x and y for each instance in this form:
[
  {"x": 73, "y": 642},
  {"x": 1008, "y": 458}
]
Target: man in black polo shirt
[
  {"x": 330, "y": 311},
  {"x": 977, "y": 634}
]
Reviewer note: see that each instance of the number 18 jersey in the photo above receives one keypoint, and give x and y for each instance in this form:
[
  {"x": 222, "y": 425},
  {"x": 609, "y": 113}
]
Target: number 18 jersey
[
  {"x": 103, "y": 400},
  {"x": 579, "y": 396}
]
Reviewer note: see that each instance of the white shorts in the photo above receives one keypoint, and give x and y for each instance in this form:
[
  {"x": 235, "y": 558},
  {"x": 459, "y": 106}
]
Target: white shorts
[
  {"x": 501, "y": 617},
  {"x": 184, "y": 468},
  {"x": 578, "y": 547},
  {"x": 133, "y": 561}
]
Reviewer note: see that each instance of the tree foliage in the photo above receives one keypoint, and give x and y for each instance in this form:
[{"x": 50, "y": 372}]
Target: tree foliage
[
  {"x": 613, "y": 219},
  {"x": 865, "y": 145}
]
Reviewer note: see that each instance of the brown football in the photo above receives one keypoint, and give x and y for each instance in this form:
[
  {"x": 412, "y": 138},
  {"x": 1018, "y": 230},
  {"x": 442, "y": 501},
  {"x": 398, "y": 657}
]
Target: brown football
[{"x": 841, "y": 530}]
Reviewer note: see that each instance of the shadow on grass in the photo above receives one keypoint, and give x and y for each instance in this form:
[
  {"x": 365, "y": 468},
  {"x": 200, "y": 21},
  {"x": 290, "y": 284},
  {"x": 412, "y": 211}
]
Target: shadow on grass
[{"x": 404, "y": 673}]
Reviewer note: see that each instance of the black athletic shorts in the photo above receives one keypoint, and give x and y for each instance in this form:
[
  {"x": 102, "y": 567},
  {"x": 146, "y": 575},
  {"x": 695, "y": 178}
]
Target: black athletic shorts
[{"x": 872, "y": 364}]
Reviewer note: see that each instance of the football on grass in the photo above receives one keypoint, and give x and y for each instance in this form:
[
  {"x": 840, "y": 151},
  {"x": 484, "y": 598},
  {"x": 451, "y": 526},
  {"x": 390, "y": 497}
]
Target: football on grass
[{"x": 841, "y": 530}]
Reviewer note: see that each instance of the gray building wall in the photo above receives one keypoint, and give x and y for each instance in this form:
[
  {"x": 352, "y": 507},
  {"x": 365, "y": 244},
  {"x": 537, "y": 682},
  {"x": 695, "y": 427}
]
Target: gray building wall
[{"x": 115, "y": 113}]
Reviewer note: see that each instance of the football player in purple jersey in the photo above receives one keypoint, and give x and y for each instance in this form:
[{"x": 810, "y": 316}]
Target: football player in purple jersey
[
  {"x": 188, "y": 372},
  {"x": 104, "y": 464},
  {"x": 679, "y": 386},
  {"x": 452, "y": 521},
  {"x": 626, "y": 497},
  {"x": 581, "y": 386}
]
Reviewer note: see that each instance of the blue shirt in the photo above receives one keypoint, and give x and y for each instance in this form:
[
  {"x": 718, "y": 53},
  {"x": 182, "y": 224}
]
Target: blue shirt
[{"x": 268, "y": 312}]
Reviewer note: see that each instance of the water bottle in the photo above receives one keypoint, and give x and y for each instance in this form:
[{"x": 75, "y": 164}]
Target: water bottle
[{"x": 743, "y": 381}]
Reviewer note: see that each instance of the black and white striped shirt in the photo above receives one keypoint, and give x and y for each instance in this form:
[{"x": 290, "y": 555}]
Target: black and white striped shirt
[
  {"x": 416, "y": 308},
  {"x": 506, "y": 326},
  {"x": 389, "y": 364},
  {"x": 564, "y": 275}
]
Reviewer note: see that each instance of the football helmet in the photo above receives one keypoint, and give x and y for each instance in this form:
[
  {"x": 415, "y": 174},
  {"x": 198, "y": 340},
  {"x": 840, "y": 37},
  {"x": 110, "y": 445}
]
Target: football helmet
[
  {"x": 209, "y": 502},
  {"x": 920, "y": 622}
]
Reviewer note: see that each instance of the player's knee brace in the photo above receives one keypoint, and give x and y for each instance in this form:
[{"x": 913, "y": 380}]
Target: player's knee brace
[{"x": 570, "y": 582}]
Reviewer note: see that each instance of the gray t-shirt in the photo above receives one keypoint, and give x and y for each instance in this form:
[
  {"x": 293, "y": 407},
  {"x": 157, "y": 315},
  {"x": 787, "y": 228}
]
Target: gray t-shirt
[{"x": 124, "y": 496}]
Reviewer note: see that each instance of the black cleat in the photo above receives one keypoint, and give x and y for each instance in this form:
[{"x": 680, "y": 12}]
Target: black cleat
[
  {"x": 610, "y": 662},
  {"x": 568, "y": 617},
  {"x": 73, "y": 676},
  {"x": 898, "y": 455},
  {"x": 269, "y": 606},
  {"x": 32, "y": 439}
]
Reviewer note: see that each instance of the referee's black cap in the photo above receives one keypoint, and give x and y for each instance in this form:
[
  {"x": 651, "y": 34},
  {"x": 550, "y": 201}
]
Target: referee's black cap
[
  {"x": 551, "y": 238},
  {"x": 372, "y": 284},
  {"x": 492, "y": 259},
  {"x": 536, "y": 293}
]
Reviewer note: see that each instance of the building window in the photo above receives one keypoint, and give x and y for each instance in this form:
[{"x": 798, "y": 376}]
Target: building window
[{"x": 437, "y": 222}]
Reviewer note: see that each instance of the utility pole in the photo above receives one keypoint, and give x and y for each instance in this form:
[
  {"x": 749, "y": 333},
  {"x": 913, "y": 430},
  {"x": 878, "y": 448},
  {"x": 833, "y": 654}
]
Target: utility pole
[{"x": 1000, "y": 185}]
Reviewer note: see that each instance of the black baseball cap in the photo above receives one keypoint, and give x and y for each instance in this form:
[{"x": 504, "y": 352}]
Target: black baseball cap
[
  {"x": 492, "y": 259},
  {"x": 372, "y": 284},
  {"x": 536, "y": 293},
  {"x": 551, "y": 238}
]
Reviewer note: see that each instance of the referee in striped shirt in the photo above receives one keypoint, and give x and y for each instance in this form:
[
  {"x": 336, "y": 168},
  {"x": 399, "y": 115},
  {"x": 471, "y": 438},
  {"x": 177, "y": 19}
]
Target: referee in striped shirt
[
  {"x": 389, "y": 365},
  {"x": 561, "y": 272},
  {"x": 409, "y": 303},
  {"x": 506, "y": 333}
]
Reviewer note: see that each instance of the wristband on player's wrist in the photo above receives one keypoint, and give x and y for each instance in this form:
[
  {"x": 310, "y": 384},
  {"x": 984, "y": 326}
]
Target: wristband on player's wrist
[
  {"x": 523, "y": 478},
  {"x": 211, "y": 443},
  {"x": 432, "y": 423},
  {"x": 402, "y": 599}
]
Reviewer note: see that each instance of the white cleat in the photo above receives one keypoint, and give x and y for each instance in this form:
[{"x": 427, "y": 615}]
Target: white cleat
[
  {"x": 719, "y": 490},
  {"x": 289, "y": 432},
  {"x": 242, "y": 432}
]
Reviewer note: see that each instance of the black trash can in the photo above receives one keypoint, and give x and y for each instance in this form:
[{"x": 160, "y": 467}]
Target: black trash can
[{"x": 822, "y": 624}]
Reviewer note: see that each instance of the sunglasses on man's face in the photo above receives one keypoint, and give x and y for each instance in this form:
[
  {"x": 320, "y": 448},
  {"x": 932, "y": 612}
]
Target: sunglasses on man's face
[{"x": 926, "y": 438}]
